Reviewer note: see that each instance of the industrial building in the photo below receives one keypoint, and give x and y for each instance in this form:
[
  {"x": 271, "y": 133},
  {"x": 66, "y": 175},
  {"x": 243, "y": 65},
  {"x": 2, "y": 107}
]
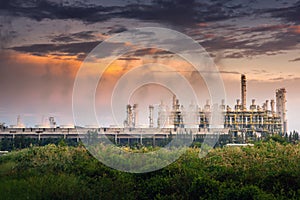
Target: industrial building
[{"x": 240, "y": 119}]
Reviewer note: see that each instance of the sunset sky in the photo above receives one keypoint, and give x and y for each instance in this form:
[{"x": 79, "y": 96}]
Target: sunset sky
[{"x": 44, "y": 42}]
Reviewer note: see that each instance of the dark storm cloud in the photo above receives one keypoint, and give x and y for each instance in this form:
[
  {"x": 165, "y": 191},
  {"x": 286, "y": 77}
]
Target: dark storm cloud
[
  {"x": 224, "y": 43},
  {"x": 281, "y": 41},
  {"x": 183, "y": 12},
  {"x": 176, "y": 12},
  {"x": 43, "y": 9},
  {"x": 288, "y": 14},
  {"x": 254, "y": 41},
  {"x": 71, "y": 49},
  {"x": 173, "y": 12},
  {"x": 148, "y": 51},
  {"x": 73, "y": 37}
]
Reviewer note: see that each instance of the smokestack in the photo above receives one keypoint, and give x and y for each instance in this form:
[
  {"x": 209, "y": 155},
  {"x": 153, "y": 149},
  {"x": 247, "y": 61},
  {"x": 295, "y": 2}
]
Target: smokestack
[
  {"x": 243, "y": 91},
  {"x": 151, "y": 116}
]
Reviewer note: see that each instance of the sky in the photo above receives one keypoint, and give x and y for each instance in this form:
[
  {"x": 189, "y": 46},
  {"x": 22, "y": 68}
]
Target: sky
[{"x": 44, "y": 43}]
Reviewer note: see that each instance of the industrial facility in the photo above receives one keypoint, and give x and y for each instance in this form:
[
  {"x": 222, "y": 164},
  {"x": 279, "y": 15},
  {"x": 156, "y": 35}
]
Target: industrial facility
[
  {"x": 256, "y": 119},
  {"x": 240, "y": 122}
]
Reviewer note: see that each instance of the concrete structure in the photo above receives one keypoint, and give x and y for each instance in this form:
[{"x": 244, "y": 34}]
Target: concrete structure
[{"x": 118, "y": 135}]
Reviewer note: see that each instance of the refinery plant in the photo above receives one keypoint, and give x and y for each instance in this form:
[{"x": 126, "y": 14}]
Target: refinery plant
[{"x": 253, "y": 120}]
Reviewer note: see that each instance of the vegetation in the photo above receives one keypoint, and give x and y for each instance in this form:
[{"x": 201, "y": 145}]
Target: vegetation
[
  {"x": 21, "y": 142},
  {"x": 269, "y": 170}
]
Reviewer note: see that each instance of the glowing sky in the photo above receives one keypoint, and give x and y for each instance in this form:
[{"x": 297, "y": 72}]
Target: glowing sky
[{"x": 43, "y": 43}]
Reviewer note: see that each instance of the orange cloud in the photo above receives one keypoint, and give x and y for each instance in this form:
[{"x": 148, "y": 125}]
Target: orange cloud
[
  {"x": 40, "y": 64},
  {"x": 119, "y": 68},
  {"x": 295, "y": 29}
]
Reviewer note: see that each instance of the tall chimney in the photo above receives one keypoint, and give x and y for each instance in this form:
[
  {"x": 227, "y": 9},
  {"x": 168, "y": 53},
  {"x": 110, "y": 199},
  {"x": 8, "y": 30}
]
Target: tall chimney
[{"x": 243, "y": 92}]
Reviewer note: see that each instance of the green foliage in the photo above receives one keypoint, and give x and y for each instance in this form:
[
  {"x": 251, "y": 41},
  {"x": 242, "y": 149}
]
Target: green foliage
[
  {"x": 278, "y": 138},
  {"x": 269, "y": 170},
  {"x": 62, "y": 143}
]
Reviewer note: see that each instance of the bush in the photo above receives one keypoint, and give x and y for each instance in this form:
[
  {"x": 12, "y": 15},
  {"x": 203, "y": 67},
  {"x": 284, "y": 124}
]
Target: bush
[{"x": 266, "y": 171}]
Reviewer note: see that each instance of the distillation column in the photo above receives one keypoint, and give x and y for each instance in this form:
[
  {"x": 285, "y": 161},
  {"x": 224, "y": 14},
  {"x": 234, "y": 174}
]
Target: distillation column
[{"x": 281, "y": 107}]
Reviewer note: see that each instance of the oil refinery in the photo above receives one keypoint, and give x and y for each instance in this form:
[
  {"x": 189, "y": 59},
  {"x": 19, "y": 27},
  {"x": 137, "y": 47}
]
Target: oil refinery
[
  {"x": 255, "y": 119},
  {"x": 252, "y": 121}
]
